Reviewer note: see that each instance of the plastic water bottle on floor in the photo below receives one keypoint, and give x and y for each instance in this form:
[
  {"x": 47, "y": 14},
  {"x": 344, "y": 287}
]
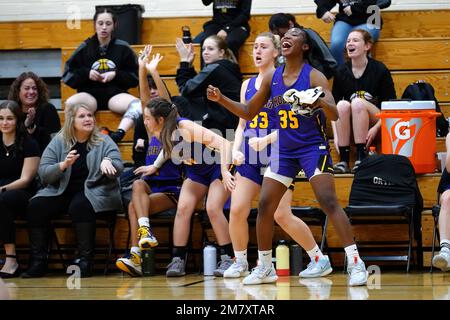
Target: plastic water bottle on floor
[
  {"x": 209, "y": 260},
  {"x": 282, "y": 258}
]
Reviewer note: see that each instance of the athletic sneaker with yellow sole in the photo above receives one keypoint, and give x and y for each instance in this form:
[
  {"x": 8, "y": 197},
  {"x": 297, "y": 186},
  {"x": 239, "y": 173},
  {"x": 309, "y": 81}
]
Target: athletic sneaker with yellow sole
[
  {"x": 146, "y": 238},
  {"x": 131, "y": 265}
]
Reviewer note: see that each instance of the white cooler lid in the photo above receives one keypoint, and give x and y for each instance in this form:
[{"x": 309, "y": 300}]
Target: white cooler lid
[{"x": 408, "y": 105}]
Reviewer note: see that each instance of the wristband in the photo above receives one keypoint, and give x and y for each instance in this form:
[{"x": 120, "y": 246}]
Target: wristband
[{"x": 159, "y": 161}]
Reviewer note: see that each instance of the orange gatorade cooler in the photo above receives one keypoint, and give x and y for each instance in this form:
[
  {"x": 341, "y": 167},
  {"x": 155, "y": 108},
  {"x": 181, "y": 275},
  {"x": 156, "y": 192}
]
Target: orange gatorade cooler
[{"x": 408, "y": 128}]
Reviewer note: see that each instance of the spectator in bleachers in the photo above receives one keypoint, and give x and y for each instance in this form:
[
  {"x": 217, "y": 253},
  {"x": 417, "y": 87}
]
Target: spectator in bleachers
[
  {"x": 19, "y": 161},
  {"x": 230, "y": 22},
  {"x": 79, "y": 170},
  {"x": 221, "y": 70},
  {"x": 102, "y": 69},
  {"x": 319, "y": 55},
  {"x": 42, "y": 120},
  {"x": 352, "y": 15},
  {"x": 442, "y": 259},
  {"x": 359, "y": 86},
  {"x": 152, "y": 193}
]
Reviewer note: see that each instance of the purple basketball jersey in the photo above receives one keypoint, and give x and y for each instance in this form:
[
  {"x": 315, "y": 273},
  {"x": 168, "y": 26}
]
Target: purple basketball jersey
[{"x": 295, "y": 132}]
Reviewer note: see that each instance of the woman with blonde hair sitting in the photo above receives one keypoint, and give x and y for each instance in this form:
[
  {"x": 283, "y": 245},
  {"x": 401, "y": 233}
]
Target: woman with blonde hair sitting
[{"x": 79, "y": 169}]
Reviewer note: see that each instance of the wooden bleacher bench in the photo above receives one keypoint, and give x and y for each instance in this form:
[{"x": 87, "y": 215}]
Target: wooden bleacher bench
[
  {"x": 408, "y": 59},
  {"x": 49, "y": 35},
  {"x": 398, "y": 55}
]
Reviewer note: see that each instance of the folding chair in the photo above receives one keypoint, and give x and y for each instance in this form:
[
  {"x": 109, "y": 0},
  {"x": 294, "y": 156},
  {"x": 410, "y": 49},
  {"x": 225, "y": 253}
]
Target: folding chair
[
  {"x": 103, "y": 220},
  {"x": 385, "y": 191}
]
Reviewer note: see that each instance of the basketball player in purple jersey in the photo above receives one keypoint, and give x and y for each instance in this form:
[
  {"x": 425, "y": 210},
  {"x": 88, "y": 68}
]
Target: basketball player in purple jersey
[
  {"x": 302, "y": 145},
  {"x": 252, "y": 144}
]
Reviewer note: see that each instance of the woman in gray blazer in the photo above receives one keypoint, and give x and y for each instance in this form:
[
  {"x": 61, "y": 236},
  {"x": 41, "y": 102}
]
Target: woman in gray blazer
[{"x": 79, "y": 170}]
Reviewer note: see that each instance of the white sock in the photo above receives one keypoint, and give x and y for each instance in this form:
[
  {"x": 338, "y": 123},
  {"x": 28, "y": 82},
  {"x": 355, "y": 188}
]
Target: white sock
[
  {"x": 352, "y": 253},
  {"x": 445, "y": 245},
  {"x": 136, "y": 250},
  {"x": 241, "y": 256},
  {"x": 315, "y": 252},
  {"x": 265, "y": 258},
  {"x": 144, "y": 222}
]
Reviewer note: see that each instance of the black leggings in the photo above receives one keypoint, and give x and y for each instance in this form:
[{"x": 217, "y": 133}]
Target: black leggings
[
  {"x": 42, "y": 209},
  {"x": 13, "y": 203},
  {"x": 235, "y": 38}
]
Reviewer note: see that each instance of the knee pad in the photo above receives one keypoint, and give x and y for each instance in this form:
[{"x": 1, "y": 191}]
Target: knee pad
[{"x": 134, "y": 110}]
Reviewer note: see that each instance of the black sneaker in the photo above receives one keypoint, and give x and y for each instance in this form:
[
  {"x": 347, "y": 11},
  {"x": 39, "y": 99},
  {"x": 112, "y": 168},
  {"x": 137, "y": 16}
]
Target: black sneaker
[
  {"x": 118, "y": 135},
  {"x": 341, "y": 167},
  {"x": 355, "y": 167}
]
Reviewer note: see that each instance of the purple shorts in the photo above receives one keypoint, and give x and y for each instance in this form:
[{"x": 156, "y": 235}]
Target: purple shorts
[
  {"x": 203, "y": 173},
  {"x": 312, "y": 162},
  {"x": 172, "y": 191},
  {"x": 252, "y": 172}
]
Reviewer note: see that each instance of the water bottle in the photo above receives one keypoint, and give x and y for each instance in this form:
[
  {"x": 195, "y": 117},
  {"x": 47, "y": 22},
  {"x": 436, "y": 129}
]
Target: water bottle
[
  {"x": 187, "y": 38},
  {"x": 372, "y": 150},
  {"x": 282, "y": 258},
  {"x": 296, "y": 259},
  {"x": 148, "y": 262},
  {"x": 209, "y": 259}
]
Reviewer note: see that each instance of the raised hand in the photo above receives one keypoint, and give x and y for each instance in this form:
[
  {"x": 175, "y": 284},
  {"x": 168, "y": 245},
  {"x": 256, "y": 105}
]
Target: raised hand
[
  {"x": 213, "y": 93},
  {"x": 30, "y": 117},
  {"x": 152, "y": 66},
  {"x": 185, "y": 51},
  {"x": 144, "y": 55}
]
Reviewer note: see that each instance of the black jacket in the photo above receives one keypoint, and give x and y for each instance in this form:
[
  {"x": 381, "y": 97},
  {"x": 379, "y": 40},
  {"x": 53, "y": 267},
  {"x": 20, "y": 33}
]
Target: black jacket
[
  {"x": 320, "y": 56},
  {"x": 47, "y": 122},
  {"x": 230, "y": 14},
  {"x": 77, "y": 68},
  {"x": 222, "y": 74},
  {"x": 359, "y": 10},
  {"x": 140, "y": 133}
]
